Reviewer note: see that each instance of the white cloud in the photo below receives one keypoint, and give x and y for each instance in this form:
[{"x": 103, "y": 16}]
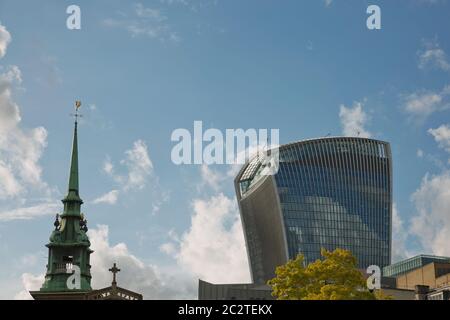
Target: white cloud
[
  {"x": 150, "y": 13},
  {"x": 423, "y": 103},
  {"x": 171, "y": 2},
  {"x": 442, "y": 136},
  {"x": 27, "y": 213},
  {"x": 108, "y": 167},
  {"x": 5, "y": 39},
  {"x": 144, "y": 21},
  {"x": 139, "y": 168},
  {"x": 138, "y": 164},
  {"x": 353, "y": 120},
  {"x": 419, "y": 153},
  {"x": 160, "y": 197},
  {"x": 328, "y": 3},
  {"x": 9, "y": 110},
  {"x": 30, "y": 283},
  {"x": 433, "y": 56},
  {"x": 213, "y": 248},
  {"x": 169, "y": 248},
  {"x": 399, "y": 236},
  {"x": 135, "y": 274},
  {"x": 9, "y": 185},
  {"x": 20, "y": 149},
  {"x": 211, "y": 177},
  {"x": 133, "y": 174},
  {"x": 432, "y": 1},
  {"x": 108, "y": 198},
  {"x": 432, "y": 223}
]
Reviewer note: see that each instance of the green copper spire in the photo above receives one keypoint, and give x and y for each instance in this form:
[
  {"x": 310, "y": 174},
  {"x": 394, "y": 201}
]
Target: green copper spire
[
  {"x": 69, "y": 243},
  {"x": 73, "y": 176},
  {"x": 73, "y": 188}
]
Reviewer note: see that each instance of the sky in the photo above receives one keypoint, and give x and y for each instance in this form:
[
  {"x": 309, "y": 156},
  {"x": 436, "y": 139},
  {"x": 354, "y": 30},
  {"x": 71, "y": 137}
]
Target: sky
[{"x": 309, "y": 68}]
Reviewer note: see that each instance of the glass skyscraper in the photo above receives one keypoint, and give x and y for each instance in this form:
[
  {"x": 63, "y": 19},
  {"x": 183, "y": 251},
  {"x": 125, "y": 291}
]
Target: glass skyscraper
[{"x": 328, "y": 193}]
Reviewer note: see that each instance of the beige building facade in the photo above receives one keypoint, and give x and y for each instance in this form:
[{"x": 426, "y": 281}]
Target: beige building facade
[{"x": 433, "y": 275}]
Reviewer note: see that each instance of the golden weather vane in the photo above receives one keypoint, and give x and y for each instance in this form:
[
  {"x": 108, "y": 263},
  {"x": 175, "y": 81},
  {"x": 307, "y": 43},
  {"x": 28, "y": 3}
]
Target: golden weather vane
[{"x": 77, "y": 106}]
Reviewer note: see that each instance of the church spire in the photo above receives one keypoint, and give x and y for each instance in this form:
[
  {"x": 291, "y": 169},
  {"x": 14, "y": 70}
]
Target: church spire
[
  {"x": 68, "y": 274},
  {"x": 73, "y": 175},
  {"x": 73, "y": 187},
  {"x": 69, "y": 251}
]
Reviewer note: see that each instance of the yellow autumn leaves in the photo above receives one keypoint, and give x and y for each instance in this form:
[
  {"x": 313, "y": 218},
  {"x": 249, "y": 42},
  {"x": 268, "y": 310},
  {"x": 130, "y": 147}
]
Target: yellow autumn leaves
[{"x": 335, "y": 277}]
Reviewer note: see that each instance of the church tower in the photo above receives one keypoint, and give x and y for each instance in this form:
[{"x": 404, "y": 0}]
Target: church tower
[
  {"x": 68, "y": 275},
  {"x": 68, "y": 268}
]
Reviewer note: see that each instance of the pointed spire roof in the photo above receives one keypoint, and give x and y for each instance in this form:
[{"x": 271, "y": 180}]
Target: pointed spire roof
[
  {"x": 73, "y": 175},
  {"x": 73, "y": 187}
]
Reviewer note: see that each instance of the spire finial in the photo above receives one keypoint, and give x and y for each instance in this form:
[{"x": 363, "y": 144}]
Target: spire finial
[
  {"x": 73, "y": 174},
  {"x": 77, "y": 115}
]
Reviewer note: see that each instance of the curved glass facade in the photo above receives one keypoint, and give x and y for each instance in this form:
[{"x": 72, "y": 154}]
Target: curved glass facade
[{"x": 329, "y": 193}]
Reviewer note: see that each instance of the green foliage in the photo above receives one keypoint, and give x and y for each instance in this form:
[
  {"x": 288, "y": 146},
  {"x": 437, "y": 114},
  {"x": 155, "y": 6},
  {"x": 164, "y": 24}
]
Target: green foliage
[{"x": 335, "y": 277}]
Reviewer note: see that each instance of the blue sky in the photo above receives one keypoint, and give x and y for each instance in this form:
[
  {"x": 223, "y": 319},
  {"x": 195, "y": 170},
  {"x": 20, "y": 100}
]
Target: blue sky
[{"x": 144, "y": 69}]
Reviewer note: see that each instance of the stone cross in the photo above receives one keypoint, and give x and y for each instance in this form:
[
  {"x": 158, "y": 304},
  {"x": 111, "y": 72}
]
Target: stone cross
[{"x": 114, "y": 271}]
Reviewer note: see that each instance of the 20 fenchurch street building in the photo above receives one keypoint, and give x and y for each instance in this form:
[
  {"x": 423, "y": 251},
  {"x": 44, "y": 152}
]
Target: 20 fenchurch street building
[{"x": 328, "y": 193}]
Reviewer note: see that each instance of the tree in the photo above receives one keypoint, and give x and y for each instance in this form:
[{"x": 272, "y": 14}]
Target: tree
[{"x": 335, "y": 277}]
